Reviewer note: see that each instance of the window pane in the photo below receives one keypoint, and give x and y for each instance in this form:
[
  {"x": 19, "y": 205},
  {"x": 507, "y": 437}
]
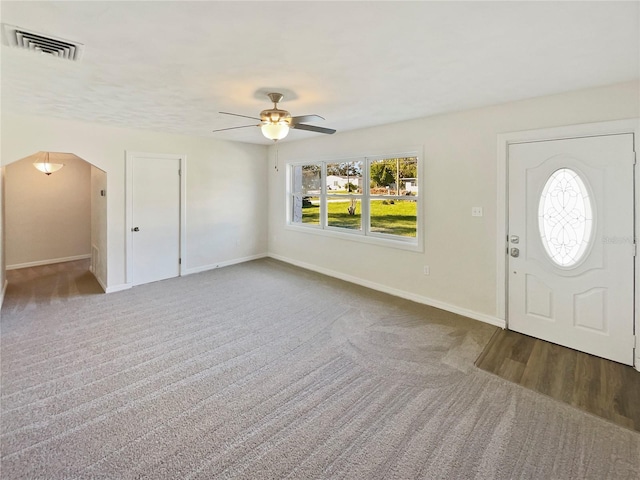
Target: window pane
[
  {"x": 344, "y": 212},
  {"x": 394, "y": 217},
  {"x": 306, "y": 210},
  {"x": 394, "y": 176},
  {"x": 344, "y": 177},
  {"x": 408, "y": 173},
  {"x": 306, "y": 179},
  {"x": 565, "y": 217}
]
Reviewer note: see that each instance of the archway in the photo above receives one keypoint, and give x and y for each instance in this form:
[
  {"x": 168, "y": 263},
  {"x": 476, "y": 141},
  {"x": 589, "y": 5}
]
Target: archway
[{"x": 61, "y": 217}]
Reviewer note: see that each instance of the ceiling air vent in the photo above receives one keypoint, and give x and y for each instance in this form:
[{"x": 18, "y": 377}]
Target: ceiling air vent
[{"x": 29, "y": 40}]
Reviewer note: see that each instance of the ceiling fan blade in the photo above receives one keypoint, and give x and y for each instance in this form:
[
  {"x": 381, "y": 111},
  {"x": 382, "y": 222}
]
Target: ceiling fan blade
[
  {"x": 238, "y": 115},
  {"x": 233, "y": 128},
  {"x": 312, "y": 128},
  {"x": 305, "y": 118}
]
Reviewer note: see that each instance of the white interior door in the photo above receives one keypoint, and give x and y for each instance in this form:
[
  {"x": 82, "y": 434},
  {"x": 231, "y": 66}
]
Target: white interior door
[
  {"x": 155, "y": 219},
  {"x": 571, "y": 243}
]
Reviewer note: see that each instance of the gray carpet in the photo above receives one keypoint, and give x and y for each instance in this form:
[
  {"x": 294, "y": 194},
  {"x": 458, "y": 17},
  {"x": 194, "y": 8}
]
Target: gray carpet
[{"x": 263, "y": 370}]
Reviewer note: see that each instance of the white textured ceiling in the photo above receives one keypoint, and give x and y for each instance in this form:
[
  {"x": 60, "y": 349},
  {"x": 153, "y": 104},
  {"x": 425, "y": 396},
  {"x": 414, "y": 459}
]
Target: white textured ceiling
[{"x": 171, "y": 66}]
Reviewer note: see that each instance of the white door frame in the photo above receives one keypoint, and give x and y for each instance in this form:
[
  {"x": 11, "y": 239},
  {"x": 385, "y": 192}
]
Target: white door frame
[
  {"x": 129, "y": 159},
  {"x": 572, "y": 131}
]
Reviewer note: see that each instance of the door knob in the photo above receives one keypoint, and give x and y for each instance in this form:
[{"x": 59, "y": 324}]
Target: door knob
[
  {"x": 135, "y": 229},
  {"x": 515, "y": 252}
]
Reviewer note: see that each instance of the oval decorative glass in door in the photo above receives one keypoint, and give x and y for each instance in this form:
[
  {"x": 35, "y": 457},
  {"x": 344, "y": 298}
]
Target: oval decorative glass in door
[{"x": 565, "y": 217}]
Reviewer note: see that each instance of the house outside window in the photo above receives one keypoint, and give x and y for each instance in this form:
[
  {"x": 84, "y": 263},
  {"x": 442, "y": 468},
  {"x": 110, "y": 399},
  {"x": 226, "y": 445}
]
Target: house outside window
[{"x": 371, "y": 198}]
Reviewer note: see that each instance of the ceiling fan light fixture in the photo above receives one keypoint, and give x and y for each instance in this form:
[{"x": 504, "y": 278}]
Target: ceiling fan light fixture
[
  {"x": 47, "y": 167},
  {"x": 275, "y": 131}
]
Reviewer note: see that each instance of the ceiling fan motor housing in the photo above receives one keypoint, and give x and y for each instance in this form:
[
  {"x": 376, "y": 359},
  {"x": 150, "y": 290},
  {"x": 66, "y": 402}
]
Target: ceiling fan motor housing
[{"x": 275, "y": 115}]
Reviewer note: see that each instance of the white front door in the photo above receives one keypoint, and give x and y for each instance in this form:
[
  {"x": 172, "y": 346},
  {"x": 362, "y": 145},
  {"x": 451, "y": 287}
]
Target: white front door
[
  {"x": 155, "y": 219},
  {"x": 571, "y": 243}
]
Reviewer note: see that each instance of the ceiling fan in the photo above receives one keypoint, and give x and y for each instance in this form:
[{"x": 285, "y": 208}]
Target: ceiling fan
[{"x": 275, "y": 123}]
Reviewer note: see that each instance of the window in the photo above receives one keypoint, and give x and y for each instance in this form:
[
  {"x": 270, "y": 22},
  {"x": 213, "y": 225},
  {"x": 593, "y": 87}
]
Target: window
[
  {"x": 374, "y": 198},
  {"x": 565, "y": 217}
]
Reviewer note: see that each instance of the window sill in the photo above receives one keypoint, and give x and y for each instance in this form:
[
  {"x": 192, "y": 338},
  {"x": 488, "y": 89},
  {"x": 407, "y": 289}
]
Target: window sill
[{"x": 356, "y": 236}]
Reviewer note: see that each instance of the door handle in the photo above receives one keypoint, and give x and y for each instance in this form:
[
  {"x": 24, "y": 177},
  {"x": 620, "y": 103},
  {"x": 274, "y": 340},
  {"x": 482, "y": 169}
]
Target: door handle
[
  {"x": 515, "y": 252},
  {"x": 515, "y": 239},
  {"x": 135, "y": 229}
]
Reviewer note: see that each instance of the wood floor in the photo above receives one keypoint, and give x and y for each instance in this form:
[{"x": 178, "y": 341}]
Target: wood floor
[
  {"x": 604, "y": 388},
  {"x": 55, "y": 283}
]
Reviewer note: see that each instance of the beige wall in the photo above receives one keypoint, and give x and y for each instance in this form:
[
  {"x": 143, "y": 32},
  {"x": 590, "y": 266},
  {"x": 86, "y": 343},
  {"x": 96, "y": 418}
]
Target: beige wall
[
  {"x": 459, "y": 172},
  {"x": 226, "y": 218},
  {"x": 48, "y": 217}
]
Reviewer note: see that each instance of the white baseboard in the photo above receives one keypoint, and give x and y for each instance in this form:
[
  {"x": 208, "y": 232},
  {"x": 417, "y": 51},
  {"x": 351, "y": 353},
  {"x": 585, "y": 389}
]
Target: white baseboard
[
  {"x": 51, "y": 261},
  {"x": 116, "y": 288},
  {"x": 498, "y": 322},
  {"x": 191, "y": 271}
]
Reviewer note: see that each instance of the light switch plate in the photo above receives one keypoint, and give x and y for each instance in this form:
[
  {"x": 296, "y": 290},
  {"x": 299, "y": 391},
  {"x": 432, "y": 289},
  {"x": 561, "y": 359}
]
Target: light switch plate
[{"x": 476, "y": 211}]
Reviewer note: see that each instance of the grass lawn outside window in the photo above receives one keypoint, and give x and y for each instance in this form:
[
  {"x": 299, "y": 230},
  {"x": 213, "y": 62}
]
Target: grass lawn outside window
[{"x": 398, "y": 218}]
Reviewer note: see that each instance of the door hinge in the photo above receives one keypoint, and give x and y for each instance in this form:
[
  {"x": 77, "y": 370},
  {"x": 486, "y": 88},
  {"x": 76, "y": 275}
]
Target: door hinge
[
  {"x": 179, "y": 261},
  {"x": 179, "y": 172},
  {"x": 635, "y": 249},
  {"x": 635, "y": 158}
]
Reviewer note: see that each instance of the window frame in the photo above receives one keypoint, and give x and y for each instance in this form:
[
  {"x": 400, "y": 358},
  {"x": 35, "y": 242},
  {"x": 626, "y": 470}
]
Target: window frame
[{"x": 364, "y": 234}]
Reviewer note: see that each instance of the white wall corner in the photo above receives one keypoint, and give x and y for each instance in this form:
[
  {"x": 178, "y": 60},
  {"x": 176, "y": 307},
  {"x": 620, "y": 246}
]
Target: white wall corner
[
  {"x": 482, "y": 317},
  {"x": 4, "y": 289}
]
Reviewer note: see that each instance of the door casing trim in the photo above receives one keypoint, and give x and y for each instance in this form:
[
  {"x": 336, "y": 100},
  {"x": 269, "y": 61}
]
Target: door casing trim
[
  {"x": 129, "y": 159},
  {"x": 616, "y": 127}
]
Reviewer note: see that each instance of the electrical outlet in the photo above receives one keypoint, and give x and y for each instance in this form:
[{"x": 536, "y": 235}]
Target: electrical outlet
[
  {"x": 426, "y": 270},
  {"x": 476, "y": 211}
]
